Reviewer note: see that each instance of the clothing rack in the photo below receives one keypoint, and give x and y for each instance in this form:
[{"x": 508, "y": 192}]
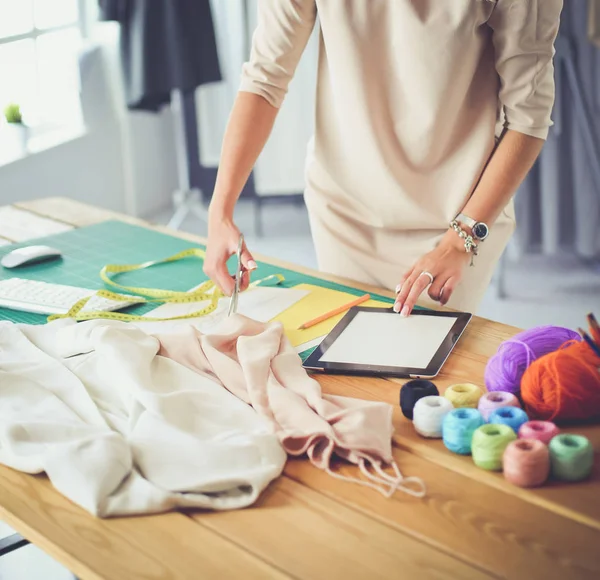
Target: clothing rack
[
  {"x": 565, "y": 57},
  {"x": 186, "y": 199},
  {"x": 565, "y": 62}
]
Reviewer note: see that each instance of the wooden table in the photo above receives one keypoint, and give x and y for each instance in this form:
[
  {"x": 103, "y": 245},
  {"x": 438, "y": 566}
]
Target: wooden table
[{"x": 308, "y": 525}]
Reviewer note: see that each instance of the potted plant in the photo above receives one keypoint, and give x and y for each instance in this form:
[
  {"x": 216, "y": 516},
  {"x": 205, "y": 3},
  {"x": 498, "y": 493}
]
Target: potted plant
[{"x": 15, "y": 129}]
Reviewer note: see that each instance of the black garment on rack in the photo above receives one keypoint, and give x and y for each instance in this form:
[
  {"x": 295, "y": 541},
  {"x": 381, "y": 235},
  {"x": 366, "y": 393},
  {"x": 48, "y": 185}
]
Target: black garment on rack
[{"x": 165, "y": 45}]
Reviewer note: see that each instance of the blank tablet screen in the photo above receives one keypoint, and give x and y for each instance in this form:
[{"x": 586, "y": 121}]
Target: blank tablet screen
[{"x": 389, "y": 340}]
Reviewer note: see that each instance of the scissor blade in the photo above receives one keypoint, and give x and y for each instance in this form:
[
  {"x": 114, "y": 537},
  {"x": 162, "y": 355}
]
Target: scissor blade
[{"x": 233, "y": 302}]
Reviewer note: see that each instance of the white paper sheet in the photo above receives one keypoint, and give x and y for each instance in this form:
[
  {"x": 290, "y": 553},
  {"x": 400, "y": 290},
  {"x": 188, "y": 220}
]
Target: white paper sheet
[
  {"x": 261, "y": 304},
  {"x": 17, "y": 224},
  {"x": 310, "y": 344}
]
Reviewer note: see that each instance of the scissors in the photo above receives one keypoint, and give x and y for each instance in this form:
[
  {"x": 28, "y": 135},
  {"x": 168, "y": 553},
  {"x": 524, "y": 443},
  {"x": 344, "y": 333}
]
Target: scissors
[{"x": 233, "y": 302}]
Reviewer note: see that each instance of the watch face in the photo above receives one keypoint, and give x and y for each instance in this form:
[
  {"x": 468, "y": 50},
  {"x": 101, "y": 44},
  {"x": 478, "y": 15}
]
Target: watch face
[{"x": 480, "y": 231}]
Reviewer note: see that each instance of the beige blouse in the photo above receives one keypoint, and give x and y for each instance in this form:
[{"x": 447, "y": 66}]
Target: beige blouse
[{"x": 411, "y": 96}]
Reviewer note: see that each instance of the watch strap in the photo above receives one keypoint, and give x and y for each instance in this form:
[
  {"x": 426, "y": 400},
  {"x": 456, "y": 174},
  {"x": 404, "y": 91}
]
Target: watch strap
[{"x": 466, "y": 220}]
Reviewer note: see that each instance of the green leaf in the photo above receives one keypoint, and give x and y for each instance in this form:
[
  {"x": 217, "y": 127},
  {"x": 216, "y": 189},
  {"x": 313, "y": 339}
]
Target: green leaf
[{"x": 12, "y": 112}]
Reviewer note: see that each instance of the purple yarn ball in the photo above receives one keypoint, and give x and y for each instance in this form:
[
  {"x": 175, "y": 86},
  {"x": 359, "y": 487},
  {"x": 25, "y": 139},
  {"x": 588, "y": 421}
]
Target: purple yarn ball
[{"x": 505, "y": 369}]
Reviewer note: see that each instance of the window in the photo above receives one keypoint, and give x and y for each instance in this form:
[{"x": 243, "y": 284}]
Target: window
[{"x": 39, "y": 44}]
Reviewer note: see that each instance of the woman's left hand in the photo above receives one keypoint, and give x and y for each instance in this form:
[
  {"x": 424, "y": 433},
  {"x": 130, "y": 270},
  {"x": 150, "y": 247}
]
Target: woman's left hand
[{"x": 446, "y": 264}]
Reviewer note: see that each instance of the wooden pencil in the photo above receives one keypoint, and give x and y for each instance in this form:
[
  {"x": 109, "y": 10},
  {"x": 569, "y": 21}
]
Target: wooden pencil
[
  {"x": 590, "y": 342},
  {"x": 335, "y": 311},
  {"x": 594, "y": 328}
]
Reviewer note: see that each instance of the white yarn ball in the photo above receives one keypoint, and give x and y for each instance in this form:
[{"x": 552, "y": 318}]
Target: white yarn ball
[{"x": 428, "y": 415}]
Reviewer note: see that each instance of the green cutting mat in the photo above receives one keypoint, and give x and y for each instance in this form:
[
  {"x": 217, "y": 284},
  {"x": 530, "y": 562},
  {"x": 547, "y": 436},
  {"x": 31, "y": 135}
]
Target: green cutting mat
[{"x": 86, "y": 250}]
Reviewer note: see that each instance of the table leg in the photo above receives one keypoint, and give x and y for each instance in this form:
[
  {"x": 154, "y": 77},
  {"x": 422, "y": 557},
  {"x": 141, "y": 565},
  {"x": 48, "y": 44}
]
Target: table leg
[{"x": 12, "y": 543}]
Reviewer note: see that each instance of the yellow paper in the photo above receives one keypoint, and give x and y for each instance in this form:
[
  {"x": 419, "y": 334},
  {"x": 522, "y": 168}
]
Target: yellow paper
[{"x": 318, "y": 302}]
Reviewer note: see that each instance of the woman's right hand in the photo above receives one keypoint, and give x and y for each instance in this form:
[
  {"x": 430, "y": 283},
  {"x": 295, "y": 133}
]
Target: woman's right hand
[
  {"x": 223, "y": 240},
  {"x": 247, "y": 131}
]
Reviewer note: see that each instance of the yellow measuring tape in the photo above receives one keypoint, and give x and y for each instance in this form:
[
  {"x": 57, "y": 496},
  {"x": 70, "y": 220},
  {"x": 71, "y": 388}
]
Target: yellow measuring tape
[{"x": 205, "y": 291}]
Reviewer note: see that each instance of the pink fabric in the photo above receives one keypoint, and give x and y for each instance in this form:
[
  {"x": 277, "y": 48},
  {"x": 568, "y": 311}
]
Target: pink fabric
[{"x": 255, "y": 362}]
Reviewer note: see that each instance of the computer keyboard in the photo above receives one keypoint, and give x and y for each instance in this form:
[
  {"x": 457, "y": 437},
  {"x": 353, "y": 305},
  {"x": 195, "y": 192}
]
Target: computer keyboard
[{"x": 46, "y": 298}]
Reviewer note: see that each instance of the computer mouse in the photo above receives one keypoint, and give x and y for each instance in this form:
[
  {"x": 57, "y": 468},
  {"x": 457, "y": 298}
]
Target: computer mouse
[{"x": 29, "y": 255}]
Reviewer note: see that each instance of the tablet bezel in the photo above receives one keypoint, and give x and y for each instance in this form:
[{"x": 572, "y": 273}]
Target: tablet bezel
[{"x": 439, "y": 358}]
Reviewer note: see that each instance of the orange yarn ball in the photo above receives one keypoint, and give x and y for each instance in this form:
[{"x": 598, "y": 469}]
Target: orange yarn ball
[{"x": 564, "y": 384}]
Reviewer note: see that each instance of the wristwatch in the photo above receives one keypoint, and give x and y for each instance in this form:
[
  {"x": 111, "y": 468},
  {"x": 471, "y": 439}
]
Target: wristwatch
[{"x": 480, "y": 230}]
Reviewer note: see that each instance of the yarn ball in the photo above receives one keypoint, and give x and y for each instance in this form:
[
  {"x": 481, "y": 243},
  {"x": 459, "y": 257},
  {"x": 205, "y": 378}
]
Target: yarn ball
[
  {"x": 412, "y": 391},
  {"x": 563, "y": 385},
  {"x": 526, "y": 463},
  {"x": 488, "y": 445},
  {"x": 428, "y": 415},
  {"x": 458, "y": 428},
  {"x": 514, "y": 417},
  {"x": 543, "y": 431},
  {"x": 464, "y": 395},
  {"x": 505, "y": 369},
  {"x": 491, "y": 401},
  {"x": 571, "y": 457}
]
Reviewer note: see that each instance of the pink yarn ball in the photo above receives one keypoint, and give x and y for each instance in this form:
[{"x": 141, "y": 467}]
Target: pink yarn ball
[
  {"x": 543, "y": 431},
  {"x": 505, "y": 369},
  {"x": 491, "y": 401},
  {"x": 526, "y": 463}
]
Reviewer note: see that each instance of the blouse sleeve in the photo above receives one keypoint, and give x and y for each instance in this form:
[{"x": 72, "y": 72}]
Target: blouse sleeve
[
  {"x": 282, "y": 33},
  {"x": 523, "y": 34}
]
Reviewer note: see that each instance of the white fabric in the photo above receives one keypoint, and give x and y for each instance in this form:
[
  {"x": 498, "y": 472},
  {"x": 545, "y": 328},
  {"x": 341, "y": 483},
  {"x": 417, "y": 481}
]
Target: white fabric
[{"x": 120, "y": 430}]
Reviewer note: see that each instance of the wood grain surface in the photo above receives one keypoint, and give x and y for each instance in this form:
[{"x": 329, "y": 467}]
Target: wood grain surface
[
  {"x": 300, "y": 529},
  {"x": 471, "y": 524},
  {"x": 169, "y": 546}
]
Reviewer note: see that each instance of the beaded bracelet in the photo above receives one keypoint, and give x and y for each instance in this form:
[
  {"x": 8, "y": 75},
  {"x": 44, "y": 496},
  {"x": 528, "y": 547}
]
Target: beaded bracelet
[{"x": 470, "y": 245}]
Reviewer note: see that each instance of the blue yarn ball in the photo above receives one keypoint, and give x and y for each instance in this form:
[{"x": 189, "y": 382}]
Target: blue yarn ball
[
  {"x": 458, "y": 428},
  {"x": 514, "y": 417}
]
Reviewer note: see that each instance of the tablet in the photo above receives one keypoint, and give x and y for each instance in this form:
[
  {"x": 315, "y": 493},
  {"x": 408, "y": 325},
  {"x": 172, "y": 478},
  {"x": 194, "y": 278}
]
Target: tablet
[{"x": 378, "y": 341}]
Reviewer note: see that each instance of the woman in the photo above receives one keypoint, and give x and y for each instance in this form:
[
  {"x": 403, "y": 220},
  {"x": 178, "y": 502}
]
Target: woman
[{"x": 429, "y": 115}]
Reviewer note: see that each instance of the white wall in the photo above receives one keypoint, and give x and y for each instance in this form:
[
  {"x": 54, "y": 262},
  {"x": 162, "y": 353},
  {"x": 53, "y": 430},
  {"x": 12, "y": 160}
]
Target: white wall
[
  {"x": 87, "y": 169},
  {"x": 125, "y": 160},
  {"x": 146, "y": 139}
]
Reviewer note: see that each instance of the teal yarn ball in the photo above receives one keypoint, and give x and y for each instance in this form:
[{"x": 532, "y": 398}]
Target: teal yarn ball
[
  {"x": 571, "y": 457},
  {"x": 514, "y": 417},
  {"x": 488, "y": 445},
  {"x": 458, "y": 428}
]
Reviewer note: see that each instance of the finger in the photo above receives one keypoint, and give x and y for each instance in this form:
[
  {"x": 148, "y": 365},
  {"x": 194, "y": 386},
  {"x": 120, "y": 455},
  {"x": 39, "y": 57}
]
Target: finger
[
  {"x": 448, "y": 289},
  {"x": 245, "y": 281},
  {"x": 247, "y": 259},
  {"x": 405, "y": 290},
  {"x": 223, "y": 279},
  {"x": 403, "y": 279},
  {"x": 417, "y": 289},
  {"x": 248, "y": 265},
  {"x": 435, "y": 290}
]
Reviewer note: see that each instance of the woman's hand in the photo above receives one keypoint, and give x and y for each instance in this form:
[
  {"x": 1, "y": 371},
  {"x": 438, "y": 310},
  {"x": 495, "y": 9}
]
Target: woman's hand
[
  {"x": 223, "y": 239},
  {"x": 445, "y": 263}
]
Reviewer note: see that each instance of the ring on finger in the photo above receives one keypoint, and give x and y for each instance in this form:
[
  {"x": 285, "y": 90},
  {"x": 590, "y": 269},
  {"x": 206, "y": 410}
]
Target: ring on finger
[{"x": 428, "y": 274}]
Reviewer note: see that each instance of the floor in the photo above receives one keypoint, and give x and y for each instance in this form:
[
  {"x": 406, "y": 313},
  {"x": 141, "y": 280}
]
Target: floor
[
  {"x": 539, "y": 290},
  {"x": 29, "y": 563}
]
